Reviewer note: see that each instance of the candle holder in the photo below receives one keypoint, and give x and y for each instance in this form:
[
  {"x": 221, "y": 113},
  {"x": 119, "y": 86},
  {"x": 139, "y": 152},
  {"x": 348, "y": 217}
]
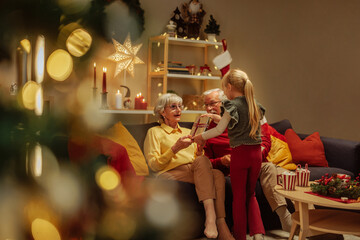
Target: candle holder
[
  {"x": 104, "y": 100},
  {"x": 94, "y": 93}
]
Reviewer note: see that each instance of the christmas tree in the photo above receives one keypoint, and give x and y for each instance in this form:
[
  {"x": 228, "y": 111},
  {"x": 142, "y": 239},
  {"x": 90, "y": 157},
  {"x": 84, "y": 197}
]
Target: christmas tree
[{"x": 212, "y": 26}]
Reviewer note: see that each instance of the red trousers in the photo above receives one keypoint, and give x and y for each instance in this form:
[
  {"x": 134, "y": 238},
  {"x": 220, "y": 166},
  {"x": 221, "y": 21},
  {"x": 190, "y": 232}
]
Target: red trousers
[{"x": 244, "y": 171}]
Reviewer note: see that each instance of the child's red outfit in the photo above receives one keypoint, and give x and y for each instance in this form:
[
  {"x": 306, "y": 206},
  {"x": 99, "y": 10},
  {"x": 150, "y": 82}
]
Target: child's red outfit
[{"x": 245, "y": 164}]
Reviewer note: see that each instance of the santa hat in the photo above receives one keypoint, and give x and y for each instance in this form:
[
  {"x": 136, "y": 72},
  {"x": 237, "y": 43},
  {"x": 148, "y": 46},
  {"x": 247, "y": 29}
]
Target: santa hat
[{"x": 223, "y": 60}]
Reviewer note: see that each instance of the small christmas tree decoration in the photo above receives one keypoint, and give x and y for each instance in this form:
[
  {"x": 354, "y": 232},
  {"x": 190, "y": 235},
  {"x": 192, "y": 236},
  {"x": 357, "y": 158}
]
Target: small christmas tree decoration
[
  {"x": 180, "y": 23},
  {"x": 212, "y": 27}
]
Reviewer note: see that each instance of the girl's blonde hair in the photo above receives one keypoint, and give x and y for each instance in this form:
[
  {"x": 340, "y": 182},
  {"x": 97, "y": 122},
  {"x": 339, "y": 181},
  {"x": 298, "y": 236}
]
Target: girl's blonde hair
[
  {"x": 163, "y": 101},
  {"x": 241, "y": 82}
]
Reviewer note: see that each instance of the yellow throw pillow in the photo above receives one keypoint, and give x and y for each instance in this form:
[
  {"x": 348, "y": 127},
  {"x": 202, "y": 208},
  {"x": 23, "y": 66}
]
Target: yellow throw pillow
[
  {"x": 119, "y": 134},
  {"x": 280, "y": 154}
]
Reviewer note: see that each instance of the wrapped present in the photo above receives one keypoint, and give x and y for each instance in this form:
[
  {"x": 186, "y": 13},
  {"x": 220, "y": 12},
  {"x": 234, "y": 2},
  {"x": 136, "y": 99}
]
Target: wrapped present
[
  {"x": 205, "y": 70},
  {"x": 192, "y": 69},
  {"x": 200, "y": 125},
  {"x": 302, "y": 176}
]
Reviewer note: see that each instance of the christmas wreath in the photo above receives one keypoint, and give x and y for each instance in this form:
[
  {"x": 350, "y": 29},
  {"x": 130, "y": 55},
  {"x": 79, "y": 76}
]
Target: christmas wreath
[{"x": 337, "y": 185}]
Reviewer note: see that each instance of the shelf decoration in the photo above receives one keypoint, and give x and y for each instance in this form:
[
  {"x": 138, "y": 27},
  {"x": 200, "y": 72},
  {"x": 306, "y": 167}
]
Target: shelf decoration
[
  {"x": 143, "y": 104},
  {"x": 118, "y": 100},
  {"x": 104, "y": 92},
  {"x": 205, "y": 70},
  {"x": 138, "y": 101},
  {"x": 180, "y": 23},
  {"x": 125, "y": 57},
  {"x": 94, "y": 87},
  {"x": 127, "y": 101},
  {"x": 192, "y": 69},
  {"x": 212, "y": 29}
]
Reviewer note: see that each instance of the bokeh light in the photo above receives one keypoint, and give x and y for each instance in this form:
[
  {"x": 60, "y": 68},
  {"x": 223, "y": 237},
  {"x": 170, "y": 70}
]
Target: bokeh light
[
  {"x": 107, "y": 178},
  {"x": 28, "y": 93},
  {"x": 36, "y": 165},
  {"x": 44, "y": 230},
  {"x": 65, "y": 191},
  {"x": 120, "y": 22},
  {"x": 79, "y": 42},
  {"x": 117, "y": 225},
  {"x": 59, "y": 65},
  {"x": 39, "y": 59},
  {"x": 162, "y": 208},
  {"x": 11, "y": 202},
  {"x": 39, "y": 101},
  {"x": 163, "y": 213},
  {"x": 42, "y": 163}
]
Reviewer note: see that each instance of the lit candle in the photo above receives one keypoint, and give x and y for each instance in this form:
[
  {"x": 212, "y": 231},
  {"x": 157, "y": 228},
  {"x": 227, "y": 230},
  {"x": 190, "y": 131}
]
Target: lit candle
[
  {"x": 138, "y": 101},
  {"x": 143, "y": 104},
  {"x": 118, "y": 100},
  {"x": 104, "y": 80},
  {"x": 94, "y": 75}
]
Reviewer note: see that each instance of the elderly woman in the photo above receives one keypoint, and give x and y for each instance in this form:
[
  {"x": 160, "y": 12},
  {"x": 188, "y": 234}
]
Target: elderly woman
[{"x": 171, "y": 154}]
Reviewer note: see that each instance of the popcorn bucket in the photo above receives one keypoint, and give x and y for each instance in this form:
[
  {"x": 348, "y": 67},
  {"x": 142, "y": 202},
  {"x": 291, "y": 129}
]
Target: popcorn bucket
[
  {"x": 287, "y": 180},
  {"x": 302, "y": 176}
]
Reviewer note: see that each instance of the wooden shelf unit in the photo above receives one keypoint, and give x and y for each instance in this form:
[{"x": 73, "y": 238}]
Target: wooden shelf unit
[
  {"x": 148, "y": 111},
  {"x": 166, "y": 40}
]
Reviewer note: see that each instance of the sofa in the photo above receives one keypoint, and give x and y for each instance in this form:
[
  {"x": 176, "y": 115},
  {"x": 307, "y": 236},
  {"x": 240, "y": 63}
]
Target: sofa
[{"x": 343, "y": 156}]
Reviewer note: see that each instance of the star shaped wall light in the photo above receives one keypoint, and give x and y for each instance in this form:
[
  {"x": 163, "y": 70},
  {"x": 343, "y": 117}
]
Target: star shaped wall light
[{"x": 125, "y": 56}]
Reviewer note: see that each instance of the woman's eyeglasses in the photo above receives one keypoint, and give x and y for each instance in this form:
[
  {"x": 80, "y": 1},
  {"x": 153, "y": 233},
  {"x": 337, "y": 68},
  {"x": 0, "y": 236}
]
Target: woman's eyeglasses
[
  {"x": 175, "y": 106},
  {"x": 211, "y": 104}
]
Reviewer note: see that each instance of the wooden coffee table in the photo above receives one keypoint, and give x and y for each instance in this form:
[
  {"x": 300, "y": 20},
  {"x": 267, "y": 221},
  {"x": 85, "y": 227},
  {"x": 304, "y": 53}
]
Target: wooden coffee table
[{"x": 320, "y": 221}]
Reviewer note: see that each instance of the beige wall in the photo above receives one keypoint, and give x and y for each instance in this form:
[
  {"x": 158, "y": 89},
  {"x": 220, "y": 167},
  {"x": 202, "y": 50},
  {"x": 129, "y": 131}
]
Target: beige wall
[{"x": 303, "y": 57}]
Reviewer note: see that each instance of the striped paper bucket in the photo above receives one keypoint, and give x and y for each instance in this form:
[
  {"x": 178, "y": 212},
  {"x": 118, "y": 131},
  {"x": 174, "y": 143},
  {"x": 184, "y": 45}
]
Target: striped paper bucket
[
  {"x": 287, "y": 180},
  {"x": 302, "y": 176}
]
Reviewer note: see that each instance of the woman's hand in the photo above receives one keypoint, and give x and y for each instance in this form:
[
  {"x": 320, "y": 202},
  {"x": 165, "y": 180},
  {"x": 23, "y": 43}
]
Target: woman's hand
[
  {"x": 199, "y": 140},
  {"x": 181, "y": 143}
]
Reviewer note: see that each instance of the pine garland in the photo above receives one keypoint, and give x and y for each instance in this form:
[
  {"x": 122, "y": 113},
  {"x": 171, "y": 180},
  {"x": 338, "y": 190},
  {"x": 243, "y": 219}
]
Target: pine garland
[{"x": 337, "y": 186}]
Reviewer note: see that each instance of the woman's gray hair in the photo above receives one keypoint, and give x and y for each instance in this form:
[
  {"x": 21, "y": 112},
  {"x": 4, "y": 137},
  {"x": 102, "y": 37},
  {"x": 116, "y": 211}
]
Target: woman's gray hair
[
  {"x": 163, "y": 101},
  {"x": 221, "y": 93}
]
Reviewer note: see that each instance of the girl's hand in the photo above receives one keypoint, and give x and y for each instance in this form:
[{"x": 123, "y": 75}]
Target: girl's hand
[
  {"x": 181, "y": 143},
  {"x": 199, "y": 140},
  {"x": 215, "y": 117}
]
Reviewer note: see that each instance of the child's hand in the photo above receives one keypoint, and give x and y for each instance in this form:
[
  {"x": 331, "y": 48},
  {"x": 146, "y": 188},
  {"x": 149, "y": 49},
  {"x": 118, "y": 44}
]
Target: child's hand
[
  {"x": 215, "y": 117},
  {"x": 199, "y": 140}
]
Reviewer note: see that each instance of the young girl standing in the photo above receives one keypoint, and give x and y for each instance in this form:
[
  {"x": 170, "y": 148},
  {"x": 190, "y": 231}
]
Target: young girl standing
[{"x": 241, "y": 115}]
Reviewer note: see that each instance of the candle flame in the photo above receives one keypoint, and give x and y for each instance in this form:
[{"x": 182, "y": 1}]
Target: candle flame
[
  {"x": 104, "y": 69},
  {"x": 94, "y": 64},
  {"x": 118, "y": 91},
  {"x": 143, "y": 100},
  {"x": 39, "y": 58}
]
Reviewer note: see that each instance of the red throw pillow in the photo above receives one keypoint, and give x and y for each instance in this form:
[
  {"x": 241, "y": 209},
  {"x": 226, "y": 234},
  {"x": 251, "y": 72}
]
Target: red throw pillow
[{"x": 310, "y": 150}]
